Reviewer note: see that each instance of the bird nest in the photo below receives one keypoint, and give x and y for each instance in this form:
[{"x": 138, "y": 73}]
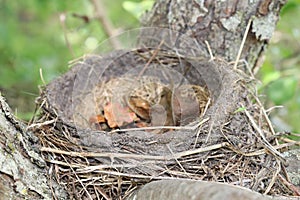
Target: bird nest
[{"x": 103, "y": 136}]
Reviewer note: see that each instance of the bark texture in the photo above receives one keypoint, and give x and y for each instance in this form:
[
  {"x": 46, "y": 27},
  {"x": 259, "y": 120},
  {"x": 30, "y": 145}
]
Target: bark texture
[
  {"x": 22, "y": 169},
  {"x": 221, "y": 23}
]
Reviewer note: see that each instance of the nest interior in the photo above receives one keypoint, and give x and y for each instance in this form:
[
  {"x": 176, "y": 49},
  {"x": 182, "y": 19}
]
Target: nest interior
[{"x": 232, "y": 142}]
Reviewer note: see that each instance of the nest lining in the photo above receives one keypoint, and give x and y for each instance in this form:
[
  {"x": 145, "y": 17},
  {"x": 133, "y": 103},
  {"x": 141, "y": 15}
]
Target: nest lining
[{"x": 232, "y": 146}]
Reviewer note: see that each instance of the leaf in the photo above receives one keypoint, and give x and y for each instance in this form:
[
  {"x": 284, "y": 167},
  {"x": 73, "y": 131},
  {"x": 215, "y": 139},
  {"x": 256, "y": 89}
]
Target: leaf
[
  {"x": 117, "y": 115},
  {"x": 240, "y": 109},
  {"x": 97, "y": 119}
]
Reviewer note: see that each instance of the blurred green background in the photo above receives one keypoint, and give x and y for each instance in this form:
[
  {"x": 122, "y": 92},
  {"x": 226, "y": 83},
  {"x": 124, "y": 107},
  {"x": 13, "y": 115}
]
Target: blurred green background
[
  {"x": 280, "y": 73},
  {"x": 33, "y": 36}
]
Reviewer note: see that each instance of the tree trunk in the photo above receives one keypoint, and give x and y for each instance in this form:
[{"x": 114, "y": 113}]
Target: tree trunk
[
  {"x": 22, "y": 169},
  {"x": 221, "y": 23}
]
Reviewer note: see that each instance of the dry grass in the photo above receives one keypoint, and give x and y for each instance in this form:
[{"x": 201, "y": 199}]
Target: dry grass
[{"x": 241, "y": 148}]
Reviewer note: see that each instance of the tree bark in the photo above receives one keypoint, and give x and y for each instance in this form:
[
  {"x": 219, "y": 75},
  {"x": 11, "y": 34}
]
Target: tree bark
[
  {"x": 221, "y": 23},
  {"x": 22, "y": 169}
]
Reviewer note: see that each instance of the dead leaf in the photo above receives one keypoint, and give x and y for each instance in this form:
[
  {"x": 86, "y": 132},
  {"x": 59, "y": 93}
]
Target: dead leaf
[
  {"x": 97, "y": 119},
  {"x": 118, "y": 115}
]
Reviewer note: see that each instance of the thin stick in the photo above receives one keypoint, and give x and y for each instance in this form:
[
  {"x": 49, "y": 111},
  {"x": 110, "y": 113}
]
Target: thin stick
[
  {"x": 272, "y": 182},
  {"x": 178, "y": 155},
  {"x": 37, "y": 109},
  {"x": 209, "y": 50},
  {"x": 81, "y": 183},
  {"x": 105, "y": 23},
  {"x": 202, "y": 114},
  {"x": 62, "y": 18},
  {"x": 135, "y": 156},
  {"x": 57, "y": 162},
  {"x": 206, "y": 107},
  {"x": 151, "y": 59},
  {"x": 177, "y": 160},
  {"x": 289, "y": 185},
  {"x": 42, "y": 77},
  {"x": 120, "y": 174},
  {"x": 38, "y": 125},
  {"x": 272, "y": 108},
  {"x": 247, "y": 67},
  {"x": 162, "y": 127},
  {"x": 89, "y": 169},
  {"x": 265, "y": 114},
  {"x": 102, "y": 193},
  {"x": 262, "y": 151},
  {"x": 242, "y": 44},
  {"x": 290, "y": 141},
  {"x": 267, "y": 144},
  {"x": 209, "y": 131}
]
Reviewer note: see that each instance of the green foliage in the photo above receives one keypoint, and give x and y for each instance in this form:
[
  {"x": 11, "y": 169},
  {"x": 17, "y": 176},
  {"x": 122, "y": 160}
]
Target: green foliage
[
  {"x": 32, "y": 37},
  {"x": 240, "y": 109},
  {"x": 280, "y": 73},
  {"x": 282, "y": 90}
]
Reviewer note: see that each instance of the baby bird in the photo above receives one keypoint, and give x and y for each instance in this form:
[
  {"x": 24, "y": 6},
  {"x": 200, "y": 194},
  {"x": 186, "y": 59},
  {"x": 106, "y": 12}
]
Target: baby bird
[
  {"x": 152, "y": 102},
  {"x": 188, "y": 103}
]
